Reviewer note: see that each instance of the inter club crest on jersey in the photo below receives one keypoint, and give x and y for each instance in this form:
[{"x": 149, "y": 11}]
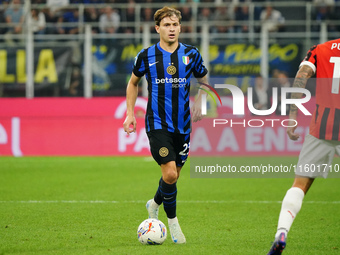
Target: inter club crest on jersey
[{"x": 186, "y": 60}]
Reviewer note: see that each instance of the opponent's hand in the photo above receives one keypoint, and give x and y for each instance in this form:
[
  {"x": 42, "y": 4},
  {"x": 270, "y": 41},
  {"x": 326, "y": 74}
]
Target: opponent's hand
[
  {"x": 130, "y": 121},
  {"x": 291, "y": 133}
]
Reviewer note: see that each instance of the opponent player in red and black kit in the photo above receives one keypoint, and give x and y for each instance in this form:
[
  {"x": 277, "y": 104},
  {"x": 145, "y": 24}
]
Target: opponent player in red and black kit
[{"x": 323, "y": 140}]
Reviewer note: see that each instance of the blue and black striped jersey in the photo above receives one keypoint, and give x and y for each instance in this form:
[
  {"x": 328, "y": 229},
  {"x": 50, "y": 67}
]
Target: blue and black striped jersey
[{"x": 168, "y": 76}]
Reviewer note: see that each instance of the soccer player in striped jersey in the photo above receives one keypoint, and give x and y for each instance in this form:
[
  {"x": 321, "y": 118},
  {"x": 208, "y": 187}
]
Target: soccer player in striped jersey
[
  {"x": 167, "y": 66},
  {"x": 323, "y": 140}
]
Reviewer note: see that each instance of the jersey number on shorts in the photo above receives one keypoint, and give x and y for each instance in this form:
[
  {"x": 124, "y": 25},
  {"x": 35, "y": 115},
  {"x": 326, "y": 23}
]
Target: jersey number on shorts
[{"x": 186, "y": 149}]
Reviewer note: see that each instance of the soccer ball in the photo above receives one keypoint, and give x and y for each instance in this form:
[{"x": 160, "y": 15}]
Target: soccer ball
[{"x": 151, "y": 231}]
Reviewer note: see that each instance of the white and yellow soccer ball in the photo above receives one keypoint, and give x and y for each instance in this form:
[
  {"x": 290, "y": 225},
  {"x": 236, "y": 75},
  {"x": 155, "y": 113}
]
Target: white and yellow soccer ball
[{"x": 151, "y": 231}]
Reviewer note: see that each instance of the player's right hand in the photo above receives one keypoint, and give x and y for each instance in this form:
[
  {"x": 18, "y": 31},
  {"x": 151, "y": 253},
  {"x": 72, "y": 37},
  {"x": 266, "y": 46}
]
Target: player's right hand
[{"x": 130, "y": 121}]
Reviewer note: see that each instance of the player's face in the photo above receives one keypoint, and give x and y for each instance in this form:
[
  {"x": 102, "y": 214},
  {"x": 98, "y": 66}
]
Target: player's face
[{"x": 169, "y": 29}]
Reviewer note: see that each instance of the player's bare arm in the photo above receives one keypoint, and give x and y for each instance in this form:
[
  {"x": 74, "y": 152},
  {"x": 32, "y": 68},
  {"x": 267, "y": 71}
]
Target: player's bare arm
[
  {"x": 131, "y": 97},
  {"x": 301, "y": 78},
  {"x": 197, "y": 106}
]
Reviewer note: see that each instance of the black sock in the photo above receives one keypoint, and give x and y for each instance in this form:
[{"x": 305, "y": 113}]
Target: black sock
[
  {"x": 169, "y": 193},
  {"x": 158, "y": 195}
]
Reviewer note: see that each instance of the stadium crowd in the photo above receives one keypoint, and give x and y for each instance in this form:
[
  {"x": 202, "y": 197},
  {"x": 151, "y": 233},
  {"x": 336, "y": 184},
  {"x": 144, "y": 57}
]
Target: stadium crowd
[
  {"x": 52, "y": 16},
  {"x": 67, "y": 17}
]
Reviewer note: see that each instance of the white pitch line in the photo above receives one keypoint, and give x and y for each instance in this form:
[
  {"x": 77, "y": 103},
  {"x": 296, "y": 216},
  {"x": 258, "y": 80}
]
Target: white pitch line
[
  {"x": 148, "y": 159},
  {"x": 142, "y": 202}
]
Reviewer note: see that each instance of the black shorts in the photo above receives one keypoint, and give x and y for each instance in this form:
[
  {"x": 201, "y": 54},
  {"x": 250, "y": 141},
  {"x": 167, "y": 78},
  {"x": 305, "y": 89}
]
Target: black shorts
[{"x": 166, "y": 146}]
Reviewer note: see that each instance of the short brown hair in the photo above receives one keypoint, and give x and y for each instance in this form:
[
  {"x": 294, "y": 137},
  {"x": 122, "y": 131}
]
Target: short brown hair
[{"x": 166, "y": 12}]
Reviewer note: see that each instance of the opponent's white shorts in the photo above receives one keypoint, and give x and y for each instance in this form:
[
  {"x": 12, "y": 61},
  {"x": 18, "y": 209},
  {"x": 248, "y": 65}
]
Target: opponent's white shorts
[{"x": 316, "y": 157}]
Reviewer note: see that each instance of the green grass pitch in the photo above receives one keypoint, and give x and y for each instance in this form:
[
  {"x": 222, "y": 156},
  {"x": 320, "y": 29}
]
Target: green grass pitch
[{"x": 93, "y": 205}]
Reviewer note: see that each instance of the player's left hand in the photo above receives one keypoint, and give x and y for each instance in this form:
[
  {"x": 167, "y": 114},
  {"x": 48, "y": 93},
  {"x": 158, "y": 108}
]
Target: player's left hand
[{"x": 197, "y": 111}]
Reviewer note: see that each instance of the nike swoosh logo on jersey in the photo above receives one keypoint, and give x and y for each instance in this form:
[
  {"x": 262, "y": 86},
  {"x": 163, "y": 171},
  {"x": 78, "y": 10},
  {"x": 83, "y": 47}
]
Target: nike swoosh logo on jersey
[{"x": 153, "y": 63}]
